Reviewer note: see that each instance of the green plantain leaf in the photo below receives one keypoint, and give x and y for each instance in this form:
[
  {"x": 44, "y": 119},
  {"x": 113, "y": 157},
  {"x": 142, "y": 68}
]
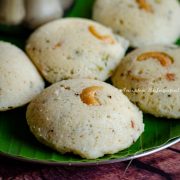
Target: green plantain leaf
[{"x": 17, "y": 141}]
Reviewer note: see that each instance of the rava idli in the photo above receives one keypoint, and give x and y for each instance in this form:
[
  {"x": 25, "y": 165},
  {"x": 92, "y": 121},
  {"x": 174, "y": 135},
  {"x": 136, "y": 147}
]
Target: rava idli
[
  {"x": 86, "y": 117},
  {"x": 150, "y": 77},
  {"x": 142, "y": 22},
  {"x": 75, "y": 48},
  {"x": 20, "y": 82}
]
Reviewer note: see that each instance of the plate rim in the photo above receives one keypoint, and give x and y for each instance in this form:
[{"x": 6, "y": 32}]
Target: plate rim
[{"x": 103, "y": 162}]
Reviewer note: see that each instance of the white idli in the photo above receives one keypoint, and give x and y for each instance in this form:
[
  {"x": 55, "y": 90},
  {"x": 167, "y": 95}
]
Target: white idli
[
  {"x": 142, "y": 22},
  {"x": 20, "y": 82},
  {"x": 150, "y": 77},
  {"x": 86, "y": 117},
  {"x": 75, "y": 48}
]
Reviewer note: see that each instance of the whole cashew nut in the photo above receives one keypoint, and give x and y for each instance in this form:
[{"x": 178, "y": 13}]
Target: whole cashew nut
[
  {"x": 144, "y": 5},
  {"x": 88, "y": 95},
  {"x": 165, "y": 59},
  {"x": 105, "y": 38}
]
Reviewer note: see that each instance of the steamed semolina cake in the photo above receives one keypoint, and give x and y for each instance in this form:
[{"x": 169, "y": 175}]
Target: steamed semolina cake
[
  {"x": 75, "y": 48},
  {"x": 86, "y": 117},
  {"x": 150, "y": 77},
  {"x": 20, "y": 82},
  {"x": 142, "y": 22}
]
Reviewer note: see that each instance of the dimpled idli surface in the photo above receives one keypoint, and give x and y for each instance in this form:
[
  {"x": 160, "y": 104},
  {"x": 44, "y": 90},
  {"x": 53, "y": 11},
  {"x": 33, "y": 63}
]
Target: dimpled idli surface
[
  {"x": 142, "y": 22},
  {"x": 150, "y": 77},
  {"x": 86, "y": 117},
  {"x": 75, "y": 48},
  {"x": 20, "y": 82}
]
